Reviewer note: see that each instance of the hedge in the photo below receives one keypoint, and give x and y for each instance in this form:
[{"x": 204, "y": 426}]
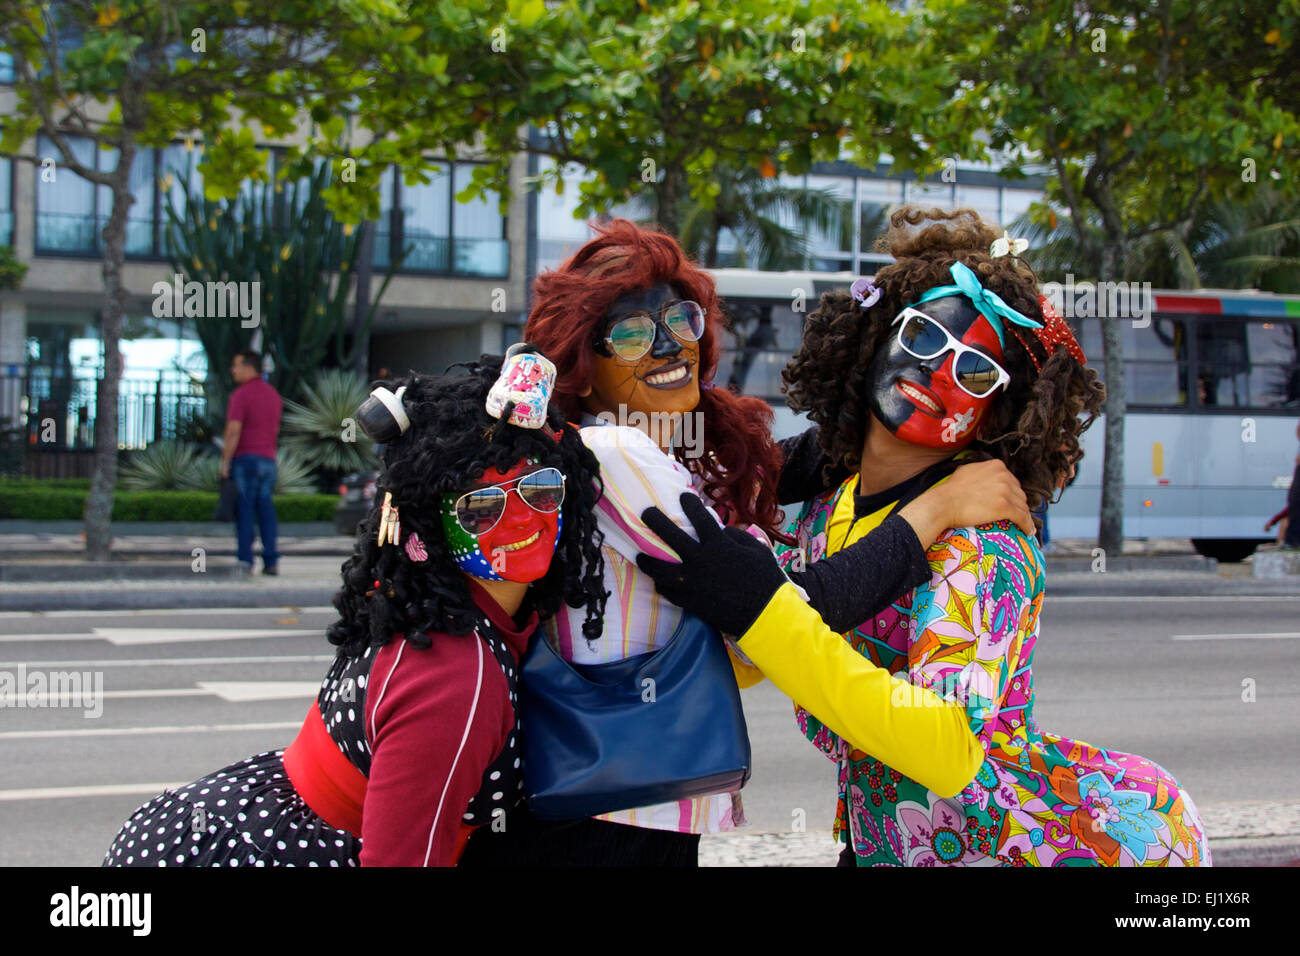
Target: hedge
[{"x": 35, "y": 502}]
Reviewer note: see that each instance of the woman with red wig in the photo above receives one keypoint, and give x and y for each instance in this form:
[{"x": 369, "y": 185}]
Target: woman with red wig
[{"x": 634, "y": 329}]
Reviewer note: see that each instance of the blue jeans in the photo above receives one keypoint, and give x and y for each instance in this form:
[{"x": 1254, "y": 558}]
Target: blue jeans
[{"x": 255, "y": 480}]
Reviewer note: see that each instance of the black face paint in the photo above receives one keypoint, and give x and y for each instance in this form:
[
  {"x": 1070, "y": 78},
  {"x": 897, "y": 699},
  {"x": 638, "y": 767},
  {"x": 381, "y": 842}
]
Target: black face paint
[{"x": 918, "y": 400}]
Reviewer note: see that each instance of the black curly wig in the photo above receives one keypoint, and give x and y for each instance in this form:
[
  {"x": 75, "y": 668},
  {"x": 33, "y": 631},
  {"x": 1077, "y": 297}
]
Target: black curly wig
[
  {"x": 1034, "y": 423},
  {"x": 450, "y": 442}
]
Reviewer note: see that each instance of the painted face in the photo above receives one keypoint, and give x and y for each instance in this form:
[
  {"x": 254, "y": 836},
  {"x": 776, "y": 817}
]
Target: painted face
[
  {"x": 518, "y": 547},
  {"x": 919, "y": 400},
  {"x": 665, "y": 379}
]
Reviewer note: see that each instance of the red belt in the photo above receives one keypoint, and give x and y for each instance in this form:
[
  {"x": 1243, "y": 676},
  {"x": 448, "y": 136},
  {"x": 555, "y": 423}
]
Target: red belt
[
  {"x": 329, "y": 783},
  {"x": 323, "y": 777}
]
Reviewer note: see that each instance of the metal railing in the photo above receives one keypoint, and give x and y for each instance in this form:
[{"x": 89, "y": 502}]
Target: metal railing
[{"x": 53, "y": 408}]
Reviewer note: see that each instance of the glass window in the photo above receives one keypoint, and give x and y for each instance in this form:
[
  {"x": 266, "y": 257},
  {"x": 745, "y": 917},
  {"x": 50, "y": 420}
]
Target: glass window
[
  {"x": 382, "y": 256},
  {"x": 824, "y": 242},
  {"x": 180, "y": 179},
  {"x": 6, "y": 194},
  {"x": 65, "y": 203},
  {"x": 984, "y": 200},
  {"x": 140, "y": 217},
  {"x": 1155, "y": 358},
  {"x": 762, "y": 338},
  {"x": 931, "y": 193},
  {"x": 477, "y": 230},
  {"x": 426, "y": 219},
  {"x": 886, "y": 192},
  {"x": 1247, "y": 364},
  {"x": 6, "y": 67},
  {"x": 1016, "y": 202}
]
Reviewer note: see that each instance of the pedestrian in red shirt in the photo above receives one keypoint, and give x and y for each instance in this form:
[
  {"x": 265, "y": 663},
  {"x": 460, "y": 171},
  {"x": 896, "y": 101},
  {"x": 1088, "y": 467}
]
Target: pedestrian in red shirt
[{"x": 248, "y": 455}]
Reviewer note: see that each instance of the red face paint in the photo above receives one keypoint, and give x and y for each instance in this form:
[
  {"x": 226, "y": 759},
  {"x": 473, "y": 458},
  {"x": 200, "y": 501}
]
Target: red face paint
[
  {"x": 919, "y": 400},
  {"x": 520, "y": 546}
]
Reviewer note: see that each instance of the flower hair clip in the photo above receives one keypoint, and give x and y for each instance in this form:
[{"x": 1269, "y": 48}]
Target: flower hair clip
[
  {"x": 1007, "y": 246},
  {"x": 865, "y": 292}
]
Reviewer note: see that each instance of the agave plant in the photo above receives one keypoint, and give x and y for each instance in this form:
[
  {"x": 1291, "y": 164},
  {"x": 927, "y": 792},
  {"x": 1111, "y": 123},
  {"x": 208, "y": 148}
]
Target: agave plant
[
  {"x": 163, "y": 466},
  {"x": 294, "y": 474},
  {"x": 322, "y": 430}
]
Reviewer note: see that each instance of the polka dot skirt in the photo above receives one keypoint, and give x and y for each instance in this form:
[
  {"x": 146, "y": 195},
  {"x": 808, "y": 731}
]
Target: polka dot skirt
[
  {"x": 248, "y": 814},
  {"x": 245, "y": 815}
]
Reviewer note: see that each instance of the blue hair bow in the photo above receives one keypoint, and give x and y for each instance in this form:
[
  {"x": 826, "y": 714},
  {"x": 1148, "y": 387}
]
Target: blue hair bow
[{"x": 989, "y": 303}]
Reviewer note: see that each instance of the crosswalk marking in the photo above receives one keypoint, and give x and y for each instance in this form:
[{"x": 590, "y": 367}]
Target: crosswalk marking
[
  {"x": 98, "y": 790},
  {"x": 145, "y": 731},
  {"x": 173, "y": 661}
]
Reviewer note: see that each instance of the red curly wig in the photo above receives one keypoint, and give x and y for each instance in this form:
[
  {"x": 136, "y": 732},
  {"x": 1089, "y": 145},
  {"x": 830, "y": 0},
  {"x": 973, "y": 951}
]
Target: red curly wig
[{"x": 741, "y": 462}]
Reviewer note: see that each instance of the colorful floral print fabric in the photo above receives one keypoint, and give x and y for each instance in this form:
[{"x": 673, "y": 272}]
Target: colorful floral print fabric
[{"x": 1039, "y": 799}]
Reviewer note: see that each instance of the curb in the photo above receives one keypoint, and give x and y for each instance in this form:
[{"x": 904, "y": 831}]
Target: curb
[{"x": 1155, "y": 562}]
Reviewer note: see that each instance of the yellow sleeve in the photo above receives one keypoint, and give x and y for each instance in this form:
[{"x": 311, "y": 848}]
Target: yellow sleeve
[
  {"x": 912, "y": 729},
  {"x": 747, "y": 675}
]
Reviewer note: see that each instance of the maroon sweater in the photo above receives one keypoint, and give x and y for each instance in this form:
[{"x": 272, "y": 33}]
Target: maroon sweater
[{"x": 435, "y": 720}]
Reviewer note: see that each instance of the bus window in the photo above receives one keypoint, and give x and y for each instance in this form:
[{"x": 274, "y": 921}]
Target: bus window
[
  {"x": 1155, "y": 359},
  {"x": 1248, "y": 364},
  {"x": 764, "y": 334}
]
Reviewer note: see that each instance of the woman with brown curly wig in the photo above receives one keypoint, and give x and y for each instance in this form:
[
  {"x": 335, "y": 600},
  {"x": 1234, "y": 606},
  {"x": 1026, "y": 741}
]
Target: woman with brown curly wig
[
  {"x": 927, "y": 706},
  {"x": 635, "y": 331}
]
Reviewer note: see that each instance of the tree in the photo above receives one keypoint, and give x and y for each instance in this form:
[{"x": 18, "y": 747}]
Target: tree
[
  {"x": 1144, "y": 111},
  {"x": 136, "y": 74},
  {"x": 304, "y": 260},
  {"x": 659, "y": 98},
  {"x": 767, "y": 218}
]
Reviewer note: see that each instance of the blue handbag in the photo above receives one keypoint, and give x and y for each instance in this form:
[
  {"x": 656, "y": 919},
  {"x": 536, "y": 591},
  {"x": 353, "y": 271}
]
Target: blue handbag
[{"x": 659, "y": 727}]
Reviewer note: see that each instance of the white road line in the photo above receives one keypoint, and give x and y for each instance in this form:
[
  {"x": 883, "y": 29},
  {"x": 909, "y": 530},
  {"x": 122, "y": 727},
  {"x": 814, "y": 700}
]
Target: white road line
[
  {"x": 174, "y": 661},
  {"x": 1253, "y": 635},
  {"x": 100, "y": 790},
  {"x": 145, "y": 731},
  {"x": 128, "y": 636},
  {"x": 167, "y": 612},
  {"x": 233, "y": 692}
]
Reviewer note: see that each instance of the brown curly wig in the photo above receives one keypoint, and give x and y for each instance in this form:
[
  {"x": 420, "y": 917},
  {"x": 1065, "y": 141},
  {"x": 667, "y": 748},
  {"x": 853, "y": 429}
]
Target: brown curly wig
[{"x": 1034, "y": 423}]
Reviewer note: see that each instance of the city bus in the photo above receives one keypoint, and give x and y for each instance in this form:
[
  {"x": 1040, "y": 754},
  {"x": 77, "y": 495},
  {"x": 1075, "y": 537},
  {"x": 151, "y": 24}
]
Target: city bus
[{"x": 1210, "y": 432}]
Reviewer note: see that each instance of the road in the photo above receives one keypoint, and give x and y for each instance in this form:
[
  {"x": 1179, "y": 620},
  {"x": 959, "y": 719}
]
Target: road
[{"x": 188, "y": 691}]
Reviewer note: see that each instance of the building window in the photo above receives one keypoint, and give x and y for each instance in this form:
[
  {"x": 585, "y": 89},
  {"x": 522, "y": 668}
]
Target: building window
[
  {"x": 441, "y": 235},
  {"x": 6, "y": 202}
]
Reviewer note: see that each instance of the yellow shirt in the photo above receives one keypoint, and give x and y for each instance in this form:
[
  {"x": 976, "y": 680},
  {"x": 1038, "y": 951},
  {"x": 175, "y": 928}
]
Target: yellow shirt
[{"x": 906, "y": 727}]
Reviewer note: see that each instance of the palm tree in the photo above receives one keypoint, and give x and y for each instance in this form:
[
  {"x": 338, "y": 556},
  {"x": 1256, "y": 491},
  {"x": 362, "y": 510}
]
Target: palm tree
[
  {"x": 771, "y": 221},
  {"x": 1251, "y": 244}
]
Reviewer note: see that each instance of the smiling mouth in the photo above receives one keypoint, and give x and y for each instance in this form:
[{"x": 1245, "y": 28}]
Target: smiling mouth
[
  {"x": 920, "y": 398},
  {"x": 673, "y": 375},
  {"x": 520, "y": 545}
]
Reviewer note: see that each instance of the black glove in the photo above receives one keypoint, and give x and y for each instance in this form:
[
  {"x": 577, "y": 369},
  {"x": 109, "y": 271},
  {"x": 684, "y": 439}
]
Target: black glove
[{"x": 726, "y": 578}]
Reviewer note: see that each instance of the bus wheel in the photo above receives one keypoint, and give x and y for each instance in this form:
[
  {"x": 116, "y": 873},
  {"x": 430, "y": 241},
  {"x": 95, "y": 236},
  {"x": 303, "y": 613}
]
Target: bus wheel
[{"x": 1225, "y": 550}]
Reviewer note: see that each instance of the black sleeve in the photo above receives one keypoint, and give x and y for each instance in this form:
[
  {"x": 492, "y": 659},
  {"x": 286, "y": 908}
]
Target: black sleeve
[
  {"x": 802, "y": 469},
  {"x": 852, "y": 585}
]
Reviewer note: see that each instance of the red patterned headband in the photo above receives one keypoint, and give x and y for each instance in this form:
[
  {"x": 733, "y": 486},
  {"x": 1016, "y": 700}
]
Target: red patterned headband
[{"x": 1053, "y": 333}]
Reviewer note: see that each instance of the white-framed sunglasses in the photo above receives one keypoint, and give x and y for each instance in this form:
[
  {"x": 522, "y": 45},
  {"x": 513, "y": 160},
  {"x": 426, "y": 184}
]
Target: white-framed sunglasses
[{"x": 925, "y": 338}]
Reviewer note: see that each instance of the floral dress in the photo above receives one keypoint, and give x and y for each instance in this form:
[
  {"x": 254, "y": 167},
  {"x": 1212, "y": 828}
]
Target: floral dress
[{"x": 1038, "y": 799}]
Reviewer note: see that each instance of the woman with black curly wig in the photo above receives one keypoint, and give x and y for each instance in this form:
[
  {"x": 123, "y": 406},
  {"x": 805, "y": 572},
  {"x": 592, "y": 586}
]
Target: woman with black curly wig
[
  {"x": 927, "y": 706},
  {"x": 411, "y": 742}
]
